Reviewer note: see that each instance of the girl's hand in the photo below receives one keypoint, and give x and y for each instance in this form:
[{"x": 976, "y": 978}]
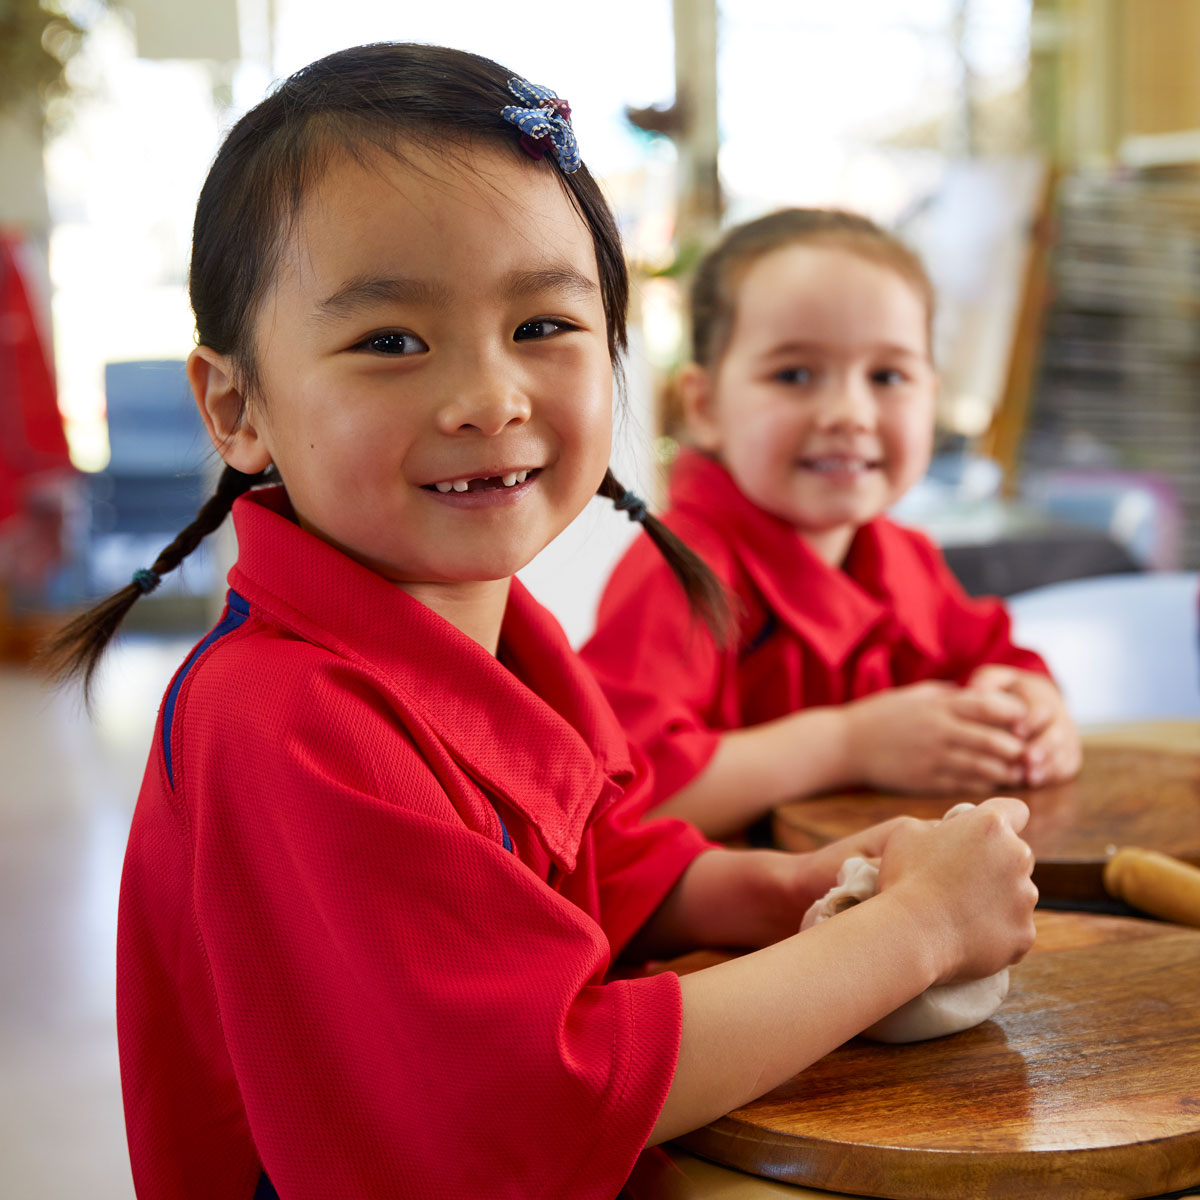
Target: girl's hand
[
  {"x": 937, "y": 737},
  {"x": 1053, "y": 752},
  {"x": 967, "y": 881},
  {"x": 816, "y": 870}
]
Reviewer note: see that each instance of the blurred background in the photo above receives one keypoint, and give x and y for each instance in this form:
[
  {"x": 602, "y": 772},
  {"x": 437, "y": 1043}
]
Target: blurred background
[{"x": 1043, "y": 157}]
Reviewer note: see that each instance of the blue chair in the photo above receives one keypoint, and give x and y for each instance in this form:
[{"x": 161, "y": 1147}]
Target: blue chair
[
  {"x": 154, "y": 481},
  {"x": 158, "y": 475},
  {"x": 1122, "y": 647}
]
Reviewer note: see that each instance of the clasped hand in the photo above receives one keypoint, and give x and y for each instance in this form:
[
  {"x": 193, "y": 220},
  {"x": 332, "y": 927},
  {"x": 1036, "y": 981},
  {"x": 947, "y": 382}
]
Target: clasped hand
[{"x": 1004, "y": 728}]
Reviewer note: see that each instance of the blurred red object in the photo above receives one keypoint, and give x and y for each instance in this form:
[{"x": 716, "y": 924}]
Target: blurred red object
[{"x": 35, "y": 467}]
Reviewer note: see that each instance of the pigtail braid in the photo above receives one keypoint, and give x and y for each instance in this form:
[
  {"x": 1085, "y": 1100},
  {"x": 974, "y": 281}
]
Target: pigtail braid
[
  {"x": 705, "y": 592},
  {"x": 74, "y": 652}
]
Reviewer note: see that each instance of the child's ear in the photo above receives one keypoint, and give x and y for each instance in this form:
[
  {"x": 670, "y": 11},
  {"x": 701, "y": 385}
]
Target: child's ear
[
  {"x": 697, "y": 401},
  {"x": 225, "y": 413}
]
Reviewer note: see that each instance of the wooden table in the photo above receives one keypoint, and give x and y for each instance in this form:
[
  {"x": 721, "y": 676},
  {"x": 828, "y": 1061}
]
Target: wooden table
[
  {"x": 1140, "y": 786},
  {"x": 671, "y": 1173},
  {"x": 1086, "y": 1084}
]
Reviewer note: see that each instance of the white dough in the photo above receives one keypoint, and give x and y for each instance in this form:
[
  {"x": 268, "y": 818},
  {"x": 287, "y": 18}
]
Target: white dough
[
  {"x": 939, "y": 1011},
  {"x": 936, "y": 1012},
  {"x": 857, "y": 880}
]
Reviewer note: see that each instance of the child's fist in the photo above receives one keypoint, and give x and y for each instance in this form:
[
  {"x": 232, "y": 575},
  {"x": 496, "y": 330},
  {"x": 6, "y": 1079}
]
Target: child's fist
[
  {"x": 1053, "y": 751},
  {"x": 967, "y": 879}
]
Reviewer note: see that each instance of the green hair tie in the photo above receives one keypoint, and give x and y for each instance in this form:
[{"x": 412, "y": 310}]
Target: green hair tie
[{"x": 146, "y": 580}]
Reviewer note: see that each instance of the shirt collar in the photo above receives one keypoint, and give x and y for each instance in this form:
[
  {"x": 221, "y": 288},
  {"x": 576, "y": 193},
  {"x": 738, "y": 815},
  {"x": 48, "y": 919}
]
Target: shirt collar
[
  {"x": 832, "y": 609},
  {"x": 536, "y": 731}
]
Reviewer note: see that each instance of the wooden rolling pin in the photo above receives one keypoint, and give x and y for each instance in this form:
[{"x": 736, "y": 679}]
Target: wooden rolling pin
[{"x": 1156, "y": 883}]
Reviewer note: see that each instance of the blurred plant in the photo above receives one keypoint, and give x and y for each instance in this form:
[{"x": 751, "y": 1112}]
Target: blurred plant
[
  {"x": 37, "y": 41},
  {"x": 684, "y": 262}
]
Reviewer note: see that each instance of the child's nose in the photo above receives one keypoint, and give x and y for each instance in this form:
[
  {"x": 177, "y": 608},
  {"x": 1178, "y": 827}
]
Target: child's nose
[
  {"x": 485, "y": 399},
  {"x": 848, "y": 403}
]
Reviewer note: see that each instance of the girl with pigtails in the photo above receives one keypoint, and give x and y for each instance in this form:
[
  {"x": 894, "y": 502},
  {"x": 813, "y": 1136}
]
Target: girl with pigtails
[{"x": 382, "y": 864}]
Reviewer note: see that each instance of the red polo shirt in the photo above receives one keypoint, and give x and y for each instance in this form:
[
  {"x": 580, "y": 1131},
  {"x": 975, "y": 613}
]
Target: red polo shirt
[
  {"x": 808, "y": 634},
  {"x": 373, "y": 886}
]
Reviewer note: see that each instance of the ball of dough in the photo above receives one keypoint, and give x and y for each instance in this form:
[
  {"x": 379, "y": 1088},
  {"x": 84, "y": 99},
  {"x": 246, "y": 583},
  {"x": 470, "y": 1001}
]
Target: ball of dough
[
  {"x": 937, "y": 1011},
  {"x": 940, "y": 1011}
]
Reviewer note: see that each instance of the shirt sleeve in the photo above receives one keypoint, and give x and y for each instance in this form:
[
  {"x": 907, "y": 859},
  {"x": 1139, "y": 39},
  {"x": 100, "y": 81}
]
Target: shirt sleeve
[
  {"x": 408, "y": 1009},
  {"x": 660, "y": 669},
  {"x": 976, "y": 630},
  {"x": 639, "y": 862}
]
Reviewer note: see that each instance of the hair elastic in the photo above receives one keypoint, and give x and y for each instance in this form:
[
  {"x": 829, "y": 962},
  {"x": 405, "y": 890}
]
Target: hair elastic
[
  {"x": 544, "y": 122},
  {"x": 146, "y": 580},
  {"x": 632, "y": 505}
]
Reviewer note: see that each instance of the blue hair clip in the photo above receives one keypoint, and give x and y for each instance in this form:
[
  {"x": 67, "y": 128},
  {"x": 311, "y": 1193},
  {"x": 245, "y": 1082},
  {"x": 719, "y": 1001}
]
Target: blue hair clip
[{"x": 544, "y": 122}]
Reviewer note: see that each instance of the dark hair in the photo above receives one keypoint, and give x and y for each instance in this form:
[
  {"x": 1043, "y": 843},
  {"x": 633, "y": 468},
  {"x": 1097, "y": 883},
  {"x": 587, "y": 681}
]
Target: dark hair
[
  {"x": 358, "y": 102},
  {"x": 721, "y": 271}
]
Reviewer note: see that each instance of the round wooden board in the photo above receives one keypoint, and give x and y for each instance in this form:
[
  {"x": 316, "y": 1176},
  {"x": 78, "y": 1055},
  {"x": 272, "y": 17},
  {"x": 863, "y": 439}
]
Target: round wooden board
[
  {"x": 1085, "y": 1084},
  {"x": 1124, "y": 796}
]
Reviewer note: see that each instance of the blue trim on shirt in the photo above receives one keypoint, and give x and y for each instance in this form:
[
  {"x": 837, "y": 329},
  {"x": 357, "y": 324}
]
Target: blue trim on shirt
[
  {"x": 772, "y": 623},
  {"x": 239, "y": 610},
  {"x": 266, "y": 1189},
  {"x": 503, "y": 829}
]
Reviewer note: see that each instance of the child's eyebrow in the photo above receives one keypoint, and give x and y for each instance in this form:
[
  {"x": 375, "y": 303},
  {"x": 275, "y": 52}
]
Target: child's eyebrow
[
  {"x": 893, "y": 349},
  {"x": 368, "y": 291},
  {"x": 563, "y": 279}
]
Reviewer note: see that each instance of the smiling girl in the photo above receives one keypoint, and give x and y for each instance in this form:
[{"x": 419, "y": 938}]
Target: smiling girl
[
  {"x": 858, "y": 658},
  {"x": 378, "y": 874}
]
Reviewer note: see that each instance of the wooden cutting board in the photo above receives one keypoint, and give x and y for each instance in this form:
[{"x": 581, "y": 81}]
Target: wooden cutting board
[
  {"x": 1124, "y": 796},
  {"x": 1085, "y": 1084}
]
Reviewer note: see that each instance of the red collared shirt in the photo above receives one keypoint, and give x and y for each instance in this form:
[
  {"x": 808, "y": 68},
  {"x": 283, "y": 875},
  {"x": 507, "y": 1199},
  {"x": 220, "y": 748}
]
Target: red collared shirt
[
  {"x": 373, "y": 886},
  {"x": 808, "y": 634}
]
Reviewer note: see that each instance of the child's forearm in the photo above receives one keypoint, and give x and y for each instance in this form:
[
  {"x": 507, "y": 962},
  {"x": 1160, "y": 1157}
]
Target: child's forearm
[
  {"x": 754, "y": 1022},
  {"x": 729, "y": 898},
  {"x": 755, "y": 769}
]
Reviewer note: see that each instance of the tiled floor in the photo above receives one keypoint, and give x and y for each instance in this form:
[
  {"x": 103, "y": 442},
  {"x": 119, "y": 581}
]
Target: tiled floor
[{"x": 67, "y": 789}]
